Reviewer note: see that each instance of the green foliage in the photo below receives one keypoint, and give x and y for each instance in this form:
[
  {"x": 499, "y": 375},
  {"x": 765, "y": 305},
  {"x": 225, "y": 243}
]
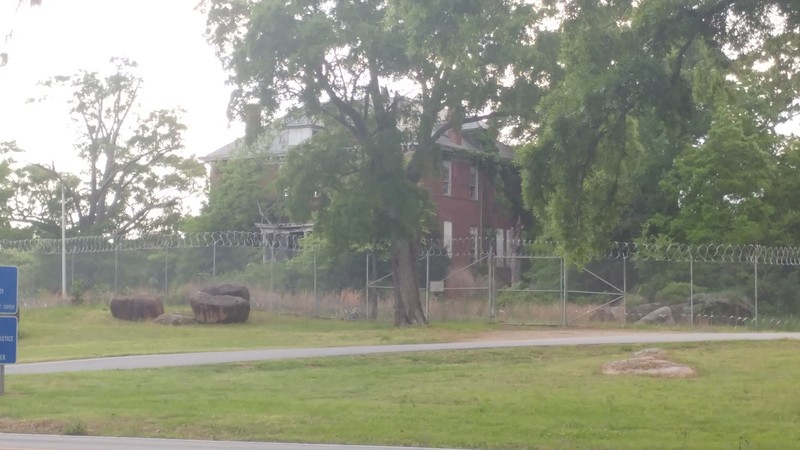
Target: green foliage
[
  {"x": 76, "y": 428},
  {"x": 731, "y": 209},
  {"x": 240, "y": 196},
  {"x": 576, "y": 175},
  {"x": 673, "y": 292},
  {"x": 386, "y": 72},
  {"x": 343, "y": 61},
  {"x": 77, "y": 290},
  {"x": 706, "y": 100}
]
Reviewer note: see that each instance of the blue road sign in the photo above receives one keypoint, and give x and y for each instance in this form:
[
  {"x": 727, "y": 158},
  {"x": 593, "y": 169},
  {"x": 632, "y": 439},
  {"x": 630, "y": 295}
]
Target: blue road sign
[
  {"x": 8, "y": 339},
  {"x": 8, "y": 290}
]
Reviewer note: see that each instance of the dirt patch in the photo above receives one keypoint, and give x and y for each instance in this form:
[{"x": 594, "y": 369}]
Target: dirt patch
[
  {"x": 31, "y": 426},
  {"x": 545, "y": 333},
  {"x": 650, "y": 362}
]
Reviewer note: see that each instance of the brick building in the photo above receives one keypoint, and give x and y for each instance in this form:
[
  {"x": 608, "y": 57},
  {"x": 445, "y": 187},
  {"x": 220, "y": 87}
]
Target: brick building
[{"x": 465, "y": 196}]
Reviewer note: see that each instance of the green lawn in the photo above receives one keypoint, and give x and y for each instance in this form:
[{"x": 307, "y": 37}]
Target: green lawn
[
  {"x": 84, "y": 332},
  {"x": 744, "y": 396}
]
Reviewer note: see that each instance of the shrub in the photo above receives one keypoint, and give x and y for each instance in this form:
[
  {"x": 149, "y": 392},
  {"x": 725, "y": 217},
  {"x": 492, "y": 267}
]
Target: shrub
[{"x": 76, "y": 428}]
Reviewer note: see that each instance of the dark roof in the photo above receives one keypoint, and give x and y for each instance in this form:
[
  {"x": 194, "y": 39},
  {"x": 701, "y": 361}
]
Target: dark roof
[{"x": 276, "y": 141}]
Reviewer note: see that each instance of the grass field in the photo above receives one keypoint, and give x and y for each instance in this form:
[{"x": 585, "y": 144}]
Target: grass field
[
  {"x": 84, "y": 332},
  {"x": 744, "y": 395}
]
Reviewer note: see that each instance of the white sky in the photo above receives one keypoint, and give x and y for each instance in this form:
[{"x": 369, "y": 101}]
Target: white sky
[{"x": 61, "y": 37}]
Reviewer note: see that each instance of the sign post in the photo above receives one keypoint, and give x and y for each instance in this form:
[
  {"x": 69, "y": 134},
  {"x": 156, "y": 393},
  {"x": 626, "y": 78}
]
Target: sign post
[{"x": 9, "y": 332}]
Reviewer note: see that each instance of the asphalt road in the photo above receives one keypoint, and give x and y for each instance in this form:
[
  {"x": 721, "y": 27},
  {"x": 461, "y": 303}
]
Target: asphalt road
[
  {"x": 48, "y": 442},
  {"x": 56, "y": 442},
  {"x": 206, "y": 358}
]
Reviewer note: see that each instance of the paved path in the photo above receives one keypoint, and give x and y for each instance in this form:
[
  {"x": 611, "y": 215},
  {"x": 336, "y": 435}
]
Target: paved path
[
  {"x": 55, "y": 442},
  {"x": 48, "y": 442},
  {"x": 205, "y": 358}
]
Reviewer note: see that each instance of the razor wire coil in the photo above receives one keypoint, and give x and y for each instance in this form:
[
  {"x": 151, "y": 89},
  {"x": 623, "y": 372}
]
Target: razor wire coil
[{"x": 469, "y": 246}]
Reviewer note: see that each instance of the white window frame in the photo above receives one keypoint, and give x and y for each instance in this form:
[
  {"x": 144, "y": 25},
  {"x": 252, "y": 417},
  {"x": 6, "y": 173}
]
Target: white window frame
[
  {"x": 447, "y": 178},
  {"x": 473, "y": 182},
  {"x": 447, "y": 234}
]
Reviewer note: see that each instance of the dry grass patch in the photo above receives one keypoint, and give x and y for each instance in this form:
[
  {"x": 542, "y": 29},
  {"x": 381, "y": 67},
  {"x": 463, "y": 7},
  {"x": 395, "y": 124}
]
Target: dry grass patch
[{"x": 651, "y": 362}]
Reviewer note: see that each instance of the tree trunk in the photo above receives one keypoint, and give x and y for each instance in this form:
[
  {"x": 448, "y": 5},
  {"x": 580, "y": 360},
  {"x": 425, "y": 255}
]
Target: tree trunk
[{"x": 407, "y": 305}]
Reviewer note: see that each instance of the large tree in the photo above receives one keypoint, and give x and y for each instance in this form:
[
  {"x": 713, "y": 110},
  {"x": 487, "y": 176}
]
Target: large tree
[
  {"x": 384, "y": 72},
  {"x": 134, "y": 177},
  {"x": 685, "y": 67},
  {"x": 240, "y": 196}
]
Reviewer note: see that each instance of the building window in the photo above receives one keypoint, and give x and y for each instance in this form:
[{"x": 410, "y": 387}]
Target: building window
[
  {"x": 473, "y": 183},
  {"x": 447, "y": 233},
  {"x": 446, "y": 177}
]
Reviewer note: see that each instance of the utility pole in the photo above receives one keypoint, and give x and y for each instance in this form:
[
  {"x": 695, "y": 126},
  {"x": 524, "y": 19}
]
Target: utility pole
[{"x": 63, "y": 243}]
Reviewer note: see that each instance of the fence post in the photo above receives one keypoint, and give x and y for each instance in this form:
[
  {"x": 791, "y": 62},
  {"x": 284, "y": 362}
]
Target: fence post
[
  {"x": 691, "y": 289},
  {"x": 166, "y": 274},
  {"x": 564, "y": 273},
  {"x": 624, "y": 288},
  {"x": 214, "y": 262},
  {"x": 271, "y": 269},
  {"x": 116, "y": 267},
  {"x": 491, "y": 283},
  {"x": 427, "y": 283},
  {"x": 366, "y": 293},
  {"x": 316, "y": 297},
  {"x": 755, "y": 287}
]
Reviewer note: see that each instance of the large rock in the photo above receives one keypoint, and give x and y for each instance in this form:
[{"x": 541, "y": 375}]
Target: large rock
[
  {"x": 662, "y": 315},
  {"x": 634, "y": 313},
  {"x": 209, "y": 308},
  {"x": 175, "y": 319},
  {"x": 608, "y": 314},
  {"x": 136, "y": 308},
  {"x": 234, "y": 290}
]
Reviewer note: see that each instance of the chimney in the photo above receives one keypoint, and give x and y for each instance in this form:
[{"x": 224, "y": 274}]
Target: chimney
[{"x": 454, "y": 132}]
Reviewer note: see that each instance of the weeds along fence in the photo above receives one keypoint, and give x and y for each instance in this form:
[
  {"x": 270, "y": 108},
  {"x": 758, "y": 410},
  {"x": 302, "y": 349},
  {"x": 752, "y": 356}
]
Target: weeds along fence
[{"x": 494, "y": 279}]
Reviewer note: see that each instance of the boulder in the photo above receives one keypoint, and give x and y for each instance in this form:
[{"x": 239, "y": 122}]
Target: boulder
[
  {"x": 720, "y": 304},
  {"x": 136, "y": 308},
  {"x": 634, "y": 313},
  {"x": 662, "y": 315},
  {"x": 209, "y": 308},
  {"x": 609, "y": 314},
  {"x": 681, "y": 313},
  {"x": 174, "y": 319},
  {"x": 234, "y": 290}
]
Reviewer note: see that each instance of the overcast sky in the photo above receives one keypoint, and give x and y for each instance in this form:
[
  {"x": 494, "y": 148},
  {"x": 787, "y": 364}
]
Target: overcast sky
[{"x": 61, "y": 37}]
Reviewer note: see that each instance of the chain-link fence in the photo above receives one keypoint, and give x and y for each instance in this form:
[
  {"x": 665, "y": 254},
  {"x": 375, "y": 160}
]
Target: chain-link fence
[{"x": 461, "y": 279}]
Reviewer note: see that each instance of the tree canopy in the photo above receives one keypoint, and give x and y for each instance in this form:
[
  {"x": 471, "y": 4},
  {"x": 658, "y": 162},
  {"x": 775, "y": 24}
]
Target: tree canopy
[
  {"x": 383, "y": 71},
  {"x": 134, "y": 176},
  {"x": 715, "y": 77}
]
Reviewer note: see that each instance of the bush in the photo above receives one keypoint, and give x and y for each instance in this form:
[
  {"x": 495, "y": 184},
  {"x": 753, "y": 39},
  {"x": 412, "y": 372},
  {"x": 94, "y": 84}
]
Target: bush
[
  {"x": 76, "y": 428},
  {"x": 77, "y": 292},
  {"x": 673, "y": 293}
]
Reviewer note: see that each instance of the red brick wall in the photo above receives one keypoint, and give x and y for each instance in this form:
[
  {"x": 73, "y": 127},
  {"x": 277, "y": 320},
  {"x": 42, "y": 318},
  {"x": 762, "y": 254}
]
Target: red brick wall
[{"x": 463, "y": 211}]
